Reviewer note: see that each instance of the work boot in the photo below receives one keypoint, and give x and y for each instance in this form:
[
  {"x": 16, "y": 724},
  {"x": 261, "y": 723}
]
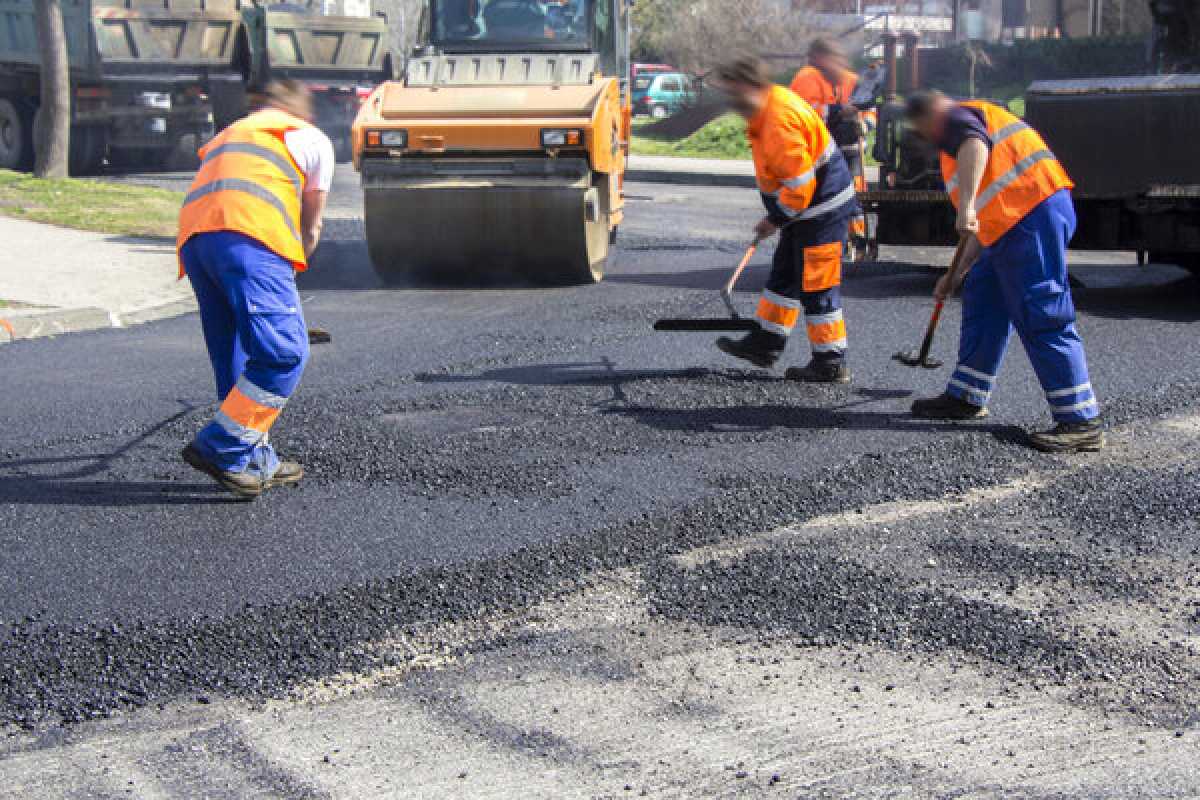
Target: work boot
[
  {"x": 947, "y": 406},
  {"x": 820, "y": 372},
  {"x": 1070, "y": 437},
  {"x": 288, "y": 474},
  {"x": 243, "y": 484},
  {"x": 757, "y": 347}
]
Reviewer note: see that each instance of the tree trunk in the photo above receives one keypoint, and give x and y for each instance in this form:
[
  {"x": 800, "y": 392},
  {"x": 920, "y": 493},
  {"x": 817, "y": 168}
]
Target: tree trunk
[{"x": 53, "y": 129}]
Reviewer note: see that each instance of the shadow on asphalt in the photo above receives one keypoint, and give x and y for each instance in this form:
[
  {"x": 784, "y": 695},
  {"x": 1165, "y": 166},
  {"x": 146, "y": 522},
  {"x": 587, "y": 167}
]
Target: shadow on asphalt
[
  {"x": 587, "y": 373},
  {"x": 43, "y": 491},
  {"x": 762, "y": 418},
  {"x": 68, "y": 486},
  {"x": 724, "y": 419},
  {"x": 1177, "y": 301},
  {"x": 344, "y": 264}
]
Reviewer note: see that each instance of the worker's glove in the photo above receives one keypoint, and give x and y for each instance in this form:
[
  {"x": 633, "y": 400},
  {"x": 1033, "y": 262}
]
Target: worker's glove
[
  {"x": 765, "y": 229},
  {"x": 944, "y": 287}
]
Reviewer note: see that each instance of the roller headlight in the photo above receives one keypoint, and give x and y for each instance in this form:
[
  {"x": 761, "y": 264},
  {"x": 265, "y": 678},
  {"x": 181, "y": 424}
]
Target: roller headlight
[
  {"x": 562, "y": 137},
  {"x": 393, "y": 138}
]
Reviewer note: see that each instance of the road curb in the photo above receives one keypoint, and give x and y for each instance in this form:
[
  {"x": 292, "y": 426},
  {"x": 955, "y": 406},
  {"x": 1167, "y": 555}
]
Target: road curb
[
  {"x": 59, "y": 321},
  {"x": 648, "y": 175}
]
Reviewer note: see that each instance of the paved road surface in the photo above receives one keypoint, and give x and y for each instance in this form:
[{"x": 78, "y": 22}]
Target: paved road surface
[{"x": 516, "y": 488}]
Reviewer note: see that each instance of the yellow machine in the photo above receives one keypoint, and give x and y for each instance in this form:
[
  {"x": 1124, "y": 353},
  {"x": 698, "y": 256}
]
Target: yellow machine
[{"x": 502, "y": 150}]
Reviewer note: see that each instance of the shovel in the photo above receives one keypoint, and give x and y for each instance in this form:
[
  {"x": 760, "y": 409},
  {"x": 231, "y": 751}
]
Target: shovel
[
  {"x": 921, "y": 357},
  {"x": 734, "y": 322}
]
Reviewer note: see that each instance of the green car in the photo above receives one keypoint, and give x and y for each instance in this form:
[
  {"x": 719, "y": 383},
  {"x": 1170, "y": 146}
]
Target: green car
[{"x": 663, "y": 94}]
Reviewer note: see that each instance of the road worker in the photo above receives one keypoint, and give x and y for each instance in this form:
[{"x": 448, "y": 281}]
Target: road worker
[
  {"x": 249, "y": 222},
  {"x": 809, "y": 196},
  {"x": 828, "y": 85},
  {"x": 1013, "y": 199}
]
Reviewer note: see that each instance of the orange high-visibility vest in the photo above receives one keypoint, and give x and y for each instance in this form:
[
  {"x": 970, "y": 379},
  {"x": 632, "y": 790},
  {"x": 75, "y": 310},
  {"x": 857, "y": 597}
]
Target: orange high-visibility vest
[
  {"x": 796, "y": 161},
  {"x": 810, "y": 83},
  {"x": 1021, "y": 172},
  {"x": 249, "y": 183}
]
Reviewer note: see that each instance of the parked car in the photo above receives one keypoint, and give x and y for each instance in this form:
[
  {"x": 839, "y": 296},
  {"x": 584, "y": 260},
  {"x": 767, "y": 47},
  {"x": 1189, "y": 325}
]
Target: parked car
[{"x": 663, "y": 94}]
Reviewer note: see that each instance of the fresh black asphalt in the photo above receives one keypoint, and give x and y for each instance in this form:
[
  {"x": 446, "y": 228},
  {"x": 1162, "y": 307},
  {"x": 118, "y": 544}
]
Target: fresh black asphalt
[{"x": 479, "y": 448}]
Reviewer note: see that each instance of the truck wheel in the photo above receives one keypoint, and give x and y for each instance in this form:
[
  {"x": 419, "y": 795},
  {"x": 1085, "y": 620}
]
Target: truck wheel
[
  {"x": 16, "y": 134},
  {"x": 89, "y": 144}
]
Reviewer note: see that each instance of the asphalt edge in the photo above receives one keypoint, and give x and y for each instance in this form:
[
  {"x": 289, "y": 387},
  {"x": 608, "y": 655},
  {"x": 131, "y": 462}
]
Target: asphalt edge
[
  {"x": 76, "y": 320},
  {"x": 682, "y": 178}
]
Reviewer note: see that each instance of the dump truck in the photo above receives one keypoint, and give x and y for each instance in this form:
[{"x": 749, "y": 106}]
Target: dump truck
[
  {"x": 140, "y": 74},
  {"x": 155, "y": 78},
  {"x": 1128, "y": 143},
  {"x": 502, "y": 150},
  {"x": 339, "y": 49}
]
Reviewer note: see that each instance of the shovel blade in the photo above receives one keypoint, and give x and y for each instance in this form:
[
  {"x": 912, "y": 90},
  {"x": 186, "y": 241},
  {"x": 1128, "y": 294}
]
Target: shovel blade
[
  {"x": 910, "y": 358},
  {"x": 720, "y": 324}
]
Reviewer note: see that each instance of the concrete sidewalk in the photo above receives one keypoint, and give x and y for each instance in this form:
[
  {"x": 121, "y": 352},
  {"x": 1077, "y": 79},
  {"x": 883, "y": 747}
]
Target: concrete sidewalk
[
  {"x": 691, "y": 171},
  {"x": 59, "y": 280},
  {"x": 701, "y": 171}
]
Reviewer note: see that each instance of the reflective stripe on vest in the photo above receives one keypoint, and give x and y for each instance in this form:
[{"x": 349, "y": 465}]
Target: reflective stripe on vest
[
  {"x": 1020, "y": 173},
  {"x": 249, "y": 183},
  {"x": 252, "y": 189}
]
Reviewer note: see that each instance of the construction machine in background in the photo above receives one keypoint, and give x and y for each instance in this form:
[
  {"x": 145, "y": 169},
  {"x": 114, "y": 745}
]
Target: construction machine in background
[
  {"x": 153, "y": 79},
  {"x": 502, "y": 151},
  {"x": 339, "y": 49},
  {"x": 140, "y": 76},
  {"x": 1128, "y": 143}
]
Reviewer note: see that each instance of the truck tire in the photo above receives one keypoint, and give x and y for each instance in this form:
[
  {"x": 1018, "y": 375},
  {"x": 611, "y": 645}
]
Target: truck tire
[
  {"x": 89, "y": 145},
  {"x": 16, "y": 134}
]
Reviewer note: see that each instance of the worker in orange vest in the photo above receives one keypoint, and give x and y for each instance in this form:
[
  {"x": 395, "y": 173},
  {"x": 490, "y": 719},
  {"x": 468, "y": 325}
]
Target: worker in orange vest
[
  {"x": 1013, "y": 200},
  {"x": 809, "y": 197},
  {"x": 828, "y": 85},
  {"x": 249, "y": 222}
]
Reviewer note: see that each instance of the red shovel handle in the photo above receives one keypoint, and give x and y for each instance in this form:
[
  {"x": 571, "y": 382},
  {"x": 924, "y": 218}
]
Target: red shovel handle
[{"x": 927, "y": 344}]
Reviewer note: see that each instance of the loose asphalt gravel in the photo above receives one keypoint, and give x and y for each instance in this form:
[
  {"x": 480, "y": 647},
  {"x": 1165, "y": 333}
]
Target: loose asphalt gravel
[{"x": 476, "y": 452}]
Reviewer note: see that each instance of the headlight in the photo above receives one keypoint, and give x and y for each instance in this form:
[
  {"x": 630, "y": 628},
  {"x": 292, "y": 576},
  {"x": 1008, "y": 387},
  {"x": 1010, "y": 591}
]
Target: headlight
[
  {"x": 392, "y": 138},
  {"x": 562, "y": 137}
]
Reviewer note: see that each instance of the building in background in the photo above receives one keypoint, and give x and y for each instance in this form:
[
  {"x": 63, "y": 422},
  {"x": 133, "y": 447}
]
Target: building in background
[
  {"x": 943, "y": 21},
  {"x": 1006, "y": 20}
]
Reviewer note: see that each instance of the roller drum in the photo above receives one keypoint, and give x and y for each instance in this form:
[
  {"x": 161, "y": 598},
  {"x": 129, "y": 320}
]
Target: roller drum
[{"x": 454, "y": 227}]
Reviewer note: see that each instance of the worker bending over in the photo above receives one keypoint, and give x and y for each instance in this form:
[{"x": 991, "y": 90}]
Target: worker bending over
[
  {"x": 250, "y": 220},
  {"x": 1013, "y": 198},
  {"x": 809, "y": 196},
  {"x": 828, "y": 85}
]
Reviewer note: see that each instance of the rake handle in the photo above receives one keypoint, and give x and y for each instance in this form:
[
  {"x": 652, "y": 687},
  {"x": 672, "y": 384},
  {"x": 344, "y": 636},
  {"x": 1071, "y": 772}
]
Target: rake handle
[
  {"x": 927, "y": 343},
  {"x": 727, "y": 290}
]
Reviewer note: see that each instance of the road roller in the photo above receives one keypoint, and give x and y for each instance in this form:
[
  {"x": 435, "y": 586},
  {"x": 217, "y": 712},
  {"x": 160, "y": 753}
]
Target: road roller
[{"x": 501, "y": 151}]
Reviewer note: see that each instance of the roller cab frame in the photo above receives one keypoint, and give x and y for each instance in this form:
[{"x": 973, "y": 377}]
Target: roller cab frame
[{"x": 501, "y": 153}]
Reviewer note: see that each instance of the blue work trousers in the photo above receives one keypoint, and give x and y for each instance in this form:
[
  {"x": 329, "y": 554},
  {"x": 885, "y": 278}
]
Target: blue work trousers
[
  {"x": 1020, "y": 282},
  {"x": 257, "y": 343}
]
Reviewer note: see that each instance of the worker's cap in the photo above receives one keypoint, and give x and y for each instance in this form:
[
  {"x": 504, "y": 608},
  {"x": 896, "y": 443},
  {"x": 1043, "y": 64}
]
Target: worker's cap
[
  {"x": 922, "y": 102},
  {"x": 746, "y": 70},
  {"x": 291, "y": 96},
  {"x": 825, "y": 46}
]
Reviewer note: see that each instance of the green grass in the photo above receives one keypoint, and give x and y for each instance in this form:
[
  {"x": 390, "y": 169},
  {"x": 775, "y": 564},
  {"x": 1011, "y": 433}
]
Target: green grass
[
  {"x": 724, "y": 137},
  {"x": 122, "y": 209},
  {"x": 1017, "y": 106}
]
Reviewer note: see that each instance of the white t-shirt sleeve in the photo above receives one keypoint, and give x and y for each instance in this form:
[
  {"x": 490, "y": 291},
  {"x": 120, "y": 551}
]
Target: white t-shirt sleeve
[{"x": 313, "y": 152}]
